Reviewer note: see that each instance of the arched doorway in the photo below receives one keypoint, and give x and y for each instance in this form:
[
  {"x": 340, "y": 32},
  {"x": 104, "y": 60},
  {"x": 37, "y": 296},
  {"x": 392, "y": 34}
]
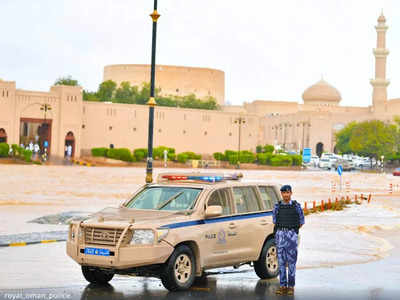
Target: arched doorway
[
  {"x": 3, "y": 135},
  {"x": 69, "y": 145},
  {"x": 320, "y": 149}
]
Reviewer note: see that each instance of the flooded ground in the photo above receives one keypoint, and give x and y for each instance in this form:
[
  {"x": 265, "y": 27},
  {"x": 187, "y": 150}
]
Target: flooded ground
[{"x": 362, "y": 238}]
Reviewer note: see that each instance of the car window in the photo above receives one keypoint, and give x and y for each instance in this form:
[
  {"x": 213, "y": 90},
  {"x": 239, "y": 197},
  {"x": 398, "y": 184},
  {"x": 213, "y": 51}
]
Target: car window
[
  {"x": 245, "y": 199},
  {"x": 165, "y": 198},
  {"x": 268, "y": 196},
  {"x": 221, "y": 198}
]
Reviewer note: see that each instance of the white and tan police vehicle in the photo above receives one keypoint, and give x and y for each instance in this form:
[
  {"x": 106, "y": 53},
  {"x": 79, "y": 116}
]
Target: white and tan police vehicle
[{"x": 177, "y": 228}]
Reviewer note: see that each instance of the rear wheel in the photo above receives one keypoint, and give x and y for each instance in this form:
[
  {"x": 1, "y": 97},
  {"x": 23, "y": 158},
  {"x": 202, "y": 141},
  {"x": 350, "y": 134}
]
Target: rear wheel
[
  {"x": 180, "y": 269},
  {"x": 267, "y": 265},
  {"x": 97, "y": 276}
]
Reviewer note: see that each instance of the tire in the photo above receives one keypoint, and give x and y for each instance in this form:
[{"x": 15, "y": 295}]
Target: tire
[
  {"x": 179, "y": 271},
  {"x": 267, "y": 265},
  {"x": 96, "y": 276}
]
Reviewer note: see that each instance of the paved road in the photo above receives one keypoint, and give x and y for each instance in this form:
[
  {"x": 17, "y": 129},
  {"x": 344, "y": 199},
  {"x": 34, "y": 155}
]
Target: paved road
[{"x": 45, "y": 272}]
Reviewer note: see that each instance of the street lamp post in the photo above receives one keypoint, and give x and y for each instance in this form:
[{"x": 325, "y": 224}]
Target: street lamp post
[
  {"x": 239, "y": 121},
  {"x": 152, "y": 102}
]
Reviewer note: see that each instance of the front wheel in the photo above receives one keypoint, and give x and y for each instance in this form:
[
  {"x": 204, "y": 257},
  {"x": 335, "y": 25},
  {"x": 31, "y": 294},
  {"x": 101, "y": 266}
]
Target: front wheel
[
  {"x": 267, "y": 265},
  {"x": 179, "y": 271},
  {"x": 96, "y": 276}
]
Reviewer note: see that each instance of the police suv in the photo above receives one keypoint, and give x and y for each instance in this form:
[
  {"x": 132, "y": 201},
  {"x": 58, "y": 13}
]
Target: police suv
[{"x": 177, "y": 228}]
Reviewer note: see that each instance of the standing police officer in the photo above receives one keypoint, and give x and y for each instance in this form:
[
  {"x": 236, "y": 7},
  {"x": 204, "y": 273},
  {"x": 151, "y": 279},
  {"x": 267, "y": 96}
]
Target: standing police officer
[{"x": 288, "y": 217}]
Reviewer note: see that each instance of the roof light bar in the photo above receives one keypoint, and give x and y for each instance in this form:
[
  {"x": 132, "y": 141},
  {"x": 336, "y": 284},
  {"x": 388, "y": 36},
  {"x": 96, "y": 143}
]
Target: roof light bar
[{"x": 206, "y": 178}]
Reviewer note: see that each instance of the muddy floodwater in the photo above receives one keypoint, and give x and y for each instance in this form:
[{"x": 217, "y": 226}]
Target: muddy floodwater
[{"x": 365, "y": 234}]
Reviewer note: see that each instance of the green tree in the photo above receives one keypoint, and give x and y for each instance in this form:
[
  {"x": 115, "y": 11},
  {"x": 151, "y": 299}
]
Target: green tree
[
  {"x": 67, "y": 80},
  {"x": 343, "y": 138},
  {"x": 373, "y": 138},
  {"x": 90, "y": 96},
  {"x": 126, "y": 93},
  {"x": 106, "y": 90}
]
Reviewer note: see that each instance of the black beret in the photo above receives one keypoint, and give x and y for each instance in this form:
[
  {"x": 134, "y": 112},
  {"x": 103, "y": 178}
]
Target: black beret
[{"x": 286, "y": 188}]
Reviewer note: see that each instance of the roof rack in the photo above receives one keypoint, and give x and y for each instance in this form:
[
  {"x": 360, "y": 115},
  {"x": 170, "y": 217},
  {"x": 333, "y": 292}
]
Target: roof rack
[{"x": 197, "y": 177}]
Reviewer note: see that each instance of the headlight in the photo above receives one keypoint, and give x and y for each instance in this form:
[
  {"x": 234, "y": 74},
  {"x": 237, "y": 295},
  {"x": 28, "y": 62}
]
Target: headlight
[
  {"x": 142, "y": 236},
  {"x": 72, "y": 232}
]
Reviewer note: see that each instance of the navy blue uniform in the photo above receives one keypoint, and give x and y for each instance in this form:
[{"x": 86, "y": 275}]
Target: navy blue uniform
[{"x": 286, "y": 241}]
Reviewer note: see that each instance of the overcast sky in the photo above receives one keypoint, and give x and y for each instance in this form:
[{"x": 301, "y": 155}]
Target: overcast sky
[{"x": 269, "y": 50}]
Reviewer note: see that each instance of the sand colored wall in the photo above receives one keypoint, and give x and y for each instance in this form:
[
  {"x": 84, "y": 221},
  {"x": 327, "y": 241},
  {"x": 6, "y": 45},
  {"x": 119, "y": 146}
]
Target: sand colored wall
[
  {"x": 265, "y": 107},
  {"x": 173, "y": 80},
  {"x": 201, "y": 131}
]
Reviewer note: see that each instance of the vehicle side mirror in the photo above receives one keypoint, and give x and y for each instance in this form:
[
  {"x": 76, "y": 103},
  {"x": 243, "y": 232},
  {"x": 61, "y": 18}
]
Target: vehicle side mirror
[{"x": 213, "y": 211}]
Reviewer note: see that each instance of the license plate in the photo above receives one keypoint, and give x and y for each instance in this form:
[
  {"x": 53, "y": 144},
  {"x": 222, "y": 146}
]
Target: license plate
[{"x": 97, "y": 251}]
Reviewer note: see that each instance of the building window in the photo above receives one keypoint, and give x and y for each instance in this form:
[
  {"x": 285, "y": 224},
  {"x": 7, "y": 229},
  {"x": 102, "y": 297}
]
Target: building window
[
  {"x": 110, "y": 128},
  {"x": 159, "y": 130},
  {"x": 205, "y": 132},
  {"x": 83, "y": 126},
  {"x": 184, "y": 132},
  {"x": 134, "y": 128},
  {"x": 177, "y": 90},
  {"x": 230, "y": 133}
]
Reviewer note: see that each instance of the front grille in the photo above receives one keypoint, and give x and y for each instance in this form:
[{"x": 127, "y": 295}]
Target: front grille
[{"x": 103, "y": 236}]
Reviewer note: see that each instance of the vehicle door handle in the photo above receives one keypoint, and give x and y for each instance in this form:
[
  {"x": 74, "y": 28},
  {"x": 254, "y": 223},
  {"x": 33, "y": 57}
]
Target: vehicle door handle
[
  {"x": 263, "y": 222},
  {"x": 232, "y": 226}
]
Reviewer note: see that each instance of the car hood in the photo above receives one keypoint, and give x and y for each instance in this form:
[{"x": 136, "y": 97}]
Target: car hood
[{"x": 124, "y": 216}]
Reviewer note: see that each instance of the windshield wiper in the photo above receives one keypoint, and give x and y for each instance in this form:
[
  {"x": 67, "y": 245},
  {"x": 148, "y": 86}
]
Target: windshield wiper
[{"x": 162, "y": 205}]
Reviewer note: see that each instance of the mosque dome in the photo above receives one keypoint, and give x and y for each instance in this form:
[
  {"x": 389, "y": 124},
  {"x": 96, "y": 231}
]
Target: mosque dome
[{"x": 321, "y": 93}]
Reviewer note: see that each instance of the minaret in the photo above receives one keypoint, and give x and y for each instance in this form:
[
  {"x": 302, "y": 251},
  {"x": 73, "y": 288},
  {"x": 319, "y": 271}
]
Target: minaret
[{"x": 380, "y": 83}]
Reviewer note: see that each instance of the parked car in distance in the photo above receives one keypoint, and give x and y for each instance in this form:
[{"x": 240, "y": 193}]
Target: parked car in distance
[
  {"x": 324, "y": 163},
  {"x": 344, "y": 163},
  {"x": 396, "y": 172}
]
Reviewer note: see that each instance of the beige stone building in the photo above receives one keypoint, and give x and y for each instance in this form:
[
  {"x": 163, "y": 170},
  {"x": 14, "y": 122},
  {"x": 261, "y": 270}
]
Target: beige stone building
[{"x": 60, "y": 118}]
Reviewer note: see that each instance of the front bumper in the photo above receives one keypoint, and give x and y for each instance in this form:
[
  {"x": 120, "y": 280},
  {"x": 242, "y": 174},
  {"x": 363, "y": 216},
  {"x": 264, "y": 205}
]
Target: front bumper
[{"x": 121, "y": 258}]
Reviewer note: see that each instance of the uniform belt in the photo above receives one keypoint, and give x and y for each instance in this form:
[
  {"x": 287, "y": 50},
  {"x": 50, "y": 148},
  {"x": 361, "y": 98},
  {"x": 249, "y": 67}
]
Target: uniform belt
[{"x": 285, "y": 229}]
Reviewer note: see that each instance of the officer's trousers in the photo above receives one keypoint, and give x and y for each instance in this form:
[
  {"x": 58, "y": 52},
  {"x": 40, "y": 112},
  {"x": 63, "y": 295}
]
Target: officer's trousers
[{"x": 286, "y": 243}]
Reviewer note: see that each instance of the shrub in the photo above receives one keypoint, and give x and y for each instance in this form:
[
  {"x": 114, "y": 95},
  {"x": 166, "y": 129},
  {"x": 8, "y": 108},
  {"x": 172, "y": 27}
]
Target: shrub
[
  {"x": 99, "y": 152},
  {"x": 269, "y": 148},
  {"x": 229, "y": 153},
  {"x": 233, "y": 159},
  {"x": 4, "y": 149},
  {"x": 281, "y": 160},
  {"x": 15, "y": 150},
  {"x": 259, "y": 149},
  {"x": 27, "y": 155},
  {"x": 219, "y": 156},
  {"x": 264, "y": 158},
  {"x": 158, "y": 152},
  {"x": 247, "y": 157},
  {"x": 297, "y": 160},
  {"x": 123, "y": 154},
  {"x": 140, "y": 154},
  {"x": 182, "y": 157},
  {"x": 171, "y": 156},
  {"x": 192, "y": 155}
]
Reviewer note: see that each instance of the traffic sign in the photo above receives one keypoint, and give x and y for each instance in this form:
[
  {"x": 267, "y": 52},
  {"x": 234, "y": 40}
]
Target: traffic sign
[
  {"x": 306, "y": 155},
  {"x": 340, "y": 170}
]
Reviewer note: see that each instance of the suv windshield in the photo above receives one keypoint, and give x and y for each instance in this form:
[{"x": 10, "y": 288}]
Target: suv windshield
[{"x": 165, "y": 198}]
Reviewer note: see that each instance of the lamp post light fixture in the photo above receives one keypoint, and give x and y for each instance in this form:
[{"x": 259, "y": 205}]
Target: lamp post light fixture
[
  {"x": 239, "y": 121},
  {"x": 45, "y": 107},
  {"x": 382, "y": 158},
  {"x": 152, "y": 102}
]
